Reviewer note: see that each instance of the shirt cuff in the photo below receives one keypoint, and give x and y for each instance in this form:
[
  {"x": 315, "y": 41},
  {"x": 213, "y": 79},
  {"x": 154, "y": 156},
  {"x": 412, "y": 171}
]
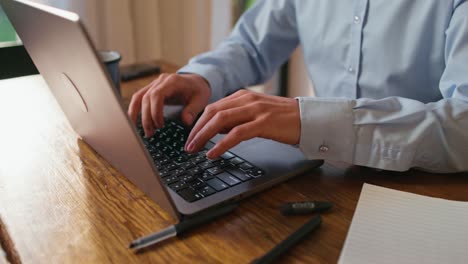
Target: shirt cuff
[
  {"x": 211, "y": 75},
  {"x": 327, "y": 130}
]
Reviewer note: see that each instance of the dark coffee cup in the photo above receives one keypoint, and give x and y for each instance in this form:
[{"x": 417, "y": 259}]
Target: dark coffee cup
[{"x": 111, "y": 59}]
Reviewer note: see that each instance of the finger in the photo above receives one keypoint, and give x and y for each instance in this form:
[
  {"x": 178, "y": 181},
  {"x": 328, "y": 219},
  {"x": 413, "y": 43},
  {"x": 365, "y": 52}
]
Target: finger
[
  {"x": 222, "y": 121},
  {"x": 157, "y": 108},
  {"x": 234, "y": 137},
  {"x": 135, "y": 104},
  {"x": 239, "y": 93},
  {"x": 165, "y": 92},
  {"x": 146, "y": 119},
  {"x": 193, "y": 108},
  {"x": 210, "y": 111},
  {"x": 154, "y": 109}
]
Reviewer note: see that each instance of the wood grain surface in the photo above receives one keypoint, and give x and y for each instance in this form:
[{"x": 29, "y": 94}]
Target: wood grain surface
[{"x": 60, "y": 202}]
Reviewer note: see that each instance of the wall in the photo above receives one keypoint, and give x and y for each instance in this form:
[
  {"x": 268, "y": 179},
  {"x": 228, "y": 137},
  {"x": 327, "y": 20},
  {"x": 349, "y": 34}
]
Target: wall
[
  {"x": 172, "y": 30},
  {"x": 185, "y": 29}
]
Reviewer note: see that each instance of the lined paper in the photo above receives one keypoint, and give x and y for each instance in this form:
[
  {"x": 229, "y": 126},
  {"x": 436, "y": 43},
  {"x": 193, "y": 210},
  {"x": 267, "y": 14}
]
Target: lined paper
[{"x": 392, "y": 226}]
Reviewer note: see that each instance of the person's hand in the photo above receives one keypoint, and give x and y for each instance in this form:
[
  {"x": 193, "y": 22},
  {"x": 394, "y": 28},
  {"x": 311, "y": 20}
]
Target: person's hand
[
  {"x": 245, "y": 115},
  {"x": 190, "y": 90}
]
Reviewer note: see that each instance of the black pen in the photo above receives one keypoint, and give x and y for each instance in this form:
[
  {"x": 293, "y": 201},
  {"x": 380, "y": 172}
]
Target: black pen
[
  {"x": 306, "y": 207},
  {"x": 181, "y": 227},
  {"x": 290, "y": 241}
]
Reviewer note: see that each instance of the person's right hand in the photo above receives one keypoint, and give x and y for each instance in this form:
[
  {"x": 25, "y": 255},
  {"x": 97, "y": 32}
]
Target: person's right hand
[{"x": 190, "y": 90}]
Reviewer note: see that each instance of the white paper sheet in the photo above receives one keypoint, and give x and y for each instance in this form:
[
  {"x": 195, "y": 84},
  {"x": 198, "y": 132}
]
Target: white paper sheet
[{"x": 397, "y": 227}]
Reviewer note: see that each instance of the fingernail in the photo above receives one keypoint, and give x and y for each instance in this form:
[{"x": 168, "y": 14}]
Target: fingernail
[
  {"x": 191, "y": 146},
  {"x": 190, "y": 118},
  {"x": 149, "y": 133},
  {"x": 210, "y": 154}
]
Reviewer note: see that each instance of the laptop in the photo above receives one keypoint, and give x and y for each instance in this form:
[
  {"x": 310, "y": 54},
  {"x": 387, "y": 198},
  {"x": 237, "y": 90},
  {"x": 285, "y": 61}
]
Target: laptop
[{"x": 182, "y": 184}]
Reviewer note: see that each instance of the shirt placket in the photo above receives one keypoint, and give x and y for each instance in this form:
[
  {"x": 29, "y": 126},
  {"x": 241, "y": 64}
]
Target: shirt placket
[{"x": 353, "y": 63}]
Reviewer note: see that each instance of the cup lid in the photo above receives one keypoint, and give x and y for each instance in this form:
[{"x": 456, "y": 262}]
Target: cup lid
[{"x": 109, "y": 56}]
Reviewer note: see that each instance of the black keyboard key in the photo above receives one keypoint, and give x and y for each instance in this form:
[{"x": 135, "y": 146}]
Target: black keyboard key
[
  {"x": 190, "y": 195},
  {"x": 170, "y": 179},
  {"x": 152, "y": 150},
  {"x": 174, "y": 145},
  {"x": 209, "y": 145},
  {"x": 181, "y": 149},
  {"x": 195, "y": 171},
  {"x": 197, "y": 184},
  {"x": 236, "y": 161},
  {"x": 187, "y": 178},
  {"x": 228, "y": 178},
  {"x": 215, "y": 170},
  {"x": 206, "y": 176},
  {"x": 206, "y": 191},
  {"x": 243, "y": 176},
  {"x": 166, "y": 149},
  {"x": 157, "y": 155},
  {"x": 178, "y": 172},
  {"x": 191, "y": 155},
  {"x": 180, "y": 159},
  {"x": 215, "y": 159},
  {"x": 141, "y": 132},
  {"x": 177, "y": 186},
  {"x": 222, "y": 163},
  {"x": 158, "y": 145},
  {"x": 162, "y": 162},
  {"x": 173, "y": 154},
  {"x": 227, "y": 155},
  {"x": 206, "y": 165},
  {"x": 256, "y": 172},
  {"x": 187, "y": 165},
  {"x": 246, "y": 166},
  {"x": 218, "y": 185},
  {"x": 198, "y": 159},
  {"x": 170, "y": 166},
  {"x": 164, "y": 173}
]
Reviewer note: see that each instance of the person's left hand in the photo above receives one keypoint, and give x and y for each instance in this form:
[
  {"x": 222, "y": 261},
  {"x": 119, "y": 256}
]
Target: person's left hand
[{"x": 245, "y": 115}]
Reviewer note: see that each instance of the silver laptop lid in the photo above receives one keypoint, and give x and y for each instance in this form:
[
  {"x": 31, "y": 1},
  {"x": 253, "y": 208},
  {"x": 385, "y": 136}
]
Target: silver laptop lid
[{"x": 62, "y": 51}]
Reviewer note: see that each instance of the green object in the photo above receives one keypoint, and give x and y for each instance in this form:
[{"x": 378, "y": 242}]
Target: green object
[
  {"x": 249, "y": 3},
  {"x": 7, "y": 33}
]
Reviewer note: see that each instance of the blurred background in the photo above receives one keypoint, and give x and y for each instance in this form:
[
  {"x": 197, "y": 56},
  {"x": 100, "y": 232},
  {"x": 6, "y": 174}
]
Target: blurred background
[{"x": 168, "y": 30}]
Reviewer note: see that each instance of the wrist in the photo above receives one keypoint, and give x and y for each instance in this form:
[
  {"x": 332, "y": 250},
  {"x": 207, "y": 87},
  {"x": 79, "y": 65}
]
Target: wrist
[
  {"x": 297, "y": 120},
  {"x": 199, "y": 81}
]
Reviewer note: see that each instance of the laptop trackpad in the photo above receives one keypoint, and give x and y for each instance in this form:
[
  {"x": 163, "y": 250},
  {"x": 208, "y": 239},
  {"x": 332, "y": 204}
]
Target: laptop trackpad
[{"x": 274, "y": 157}]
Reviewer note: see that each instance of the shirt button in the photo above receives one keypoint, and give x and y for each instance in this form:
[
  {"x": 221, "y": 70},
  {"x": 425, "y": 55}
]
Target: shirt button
[
  {"x": 323, "y": 148},
  {"x": 356, "y": 19},
  {"x": 350, "y": 69}
]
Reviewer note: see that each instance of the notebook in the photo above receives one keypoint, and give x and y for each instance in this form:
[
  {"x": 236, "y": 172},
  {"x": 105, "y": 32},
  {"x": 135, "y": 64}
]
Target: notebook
[{"x": 392, "y": 226}]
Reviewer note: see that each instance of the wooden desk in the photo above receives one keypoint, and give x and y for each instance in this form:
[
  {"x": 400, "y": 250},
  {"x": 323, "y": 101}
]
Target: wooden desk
[{"x": 62, "y": 203}]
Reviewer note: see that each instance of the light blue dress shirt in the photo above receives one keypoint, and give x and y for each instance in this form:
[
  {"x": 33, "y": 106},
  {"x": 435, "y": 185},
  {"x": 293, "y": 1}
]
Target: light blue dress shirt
[{"x": 391, "y": 76}]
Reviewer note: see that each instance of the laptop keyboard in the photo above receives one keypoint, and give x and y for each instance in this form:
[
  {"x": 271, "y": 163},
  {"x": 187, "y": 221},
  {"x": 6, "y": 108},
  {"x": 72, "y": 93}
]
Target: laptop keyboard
[{"x": 192, "y": 175}]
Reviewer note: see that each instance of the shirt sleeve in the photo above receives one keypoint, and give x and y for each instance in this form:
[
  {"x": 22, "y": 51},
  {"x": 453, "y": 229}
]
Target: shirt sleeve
[
  {"x": 397, "y": 133},
  {"x": 251, "y": 53}
]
